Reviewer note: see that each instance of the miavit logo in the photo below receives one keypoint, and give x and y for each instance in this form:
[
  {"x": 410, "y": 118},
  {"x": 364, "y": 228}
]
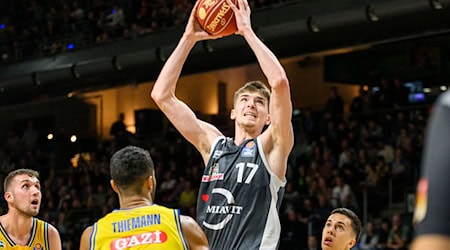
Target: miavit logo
[{"x": 229, "y": 210}]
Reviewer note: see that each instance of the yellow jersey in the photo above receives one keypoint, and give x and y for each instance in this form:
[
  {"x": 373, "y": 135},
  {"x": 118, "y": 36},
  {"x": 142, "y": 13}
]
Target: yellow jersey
[
  {"x": 148, "y": 227},
  {"x": 38, "y": 238}
]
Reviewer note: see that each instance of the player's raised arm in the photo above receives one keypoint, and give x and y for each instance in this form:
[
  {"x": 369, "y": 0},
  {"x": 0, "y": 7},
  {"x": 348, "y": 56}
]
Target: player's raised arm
[
  {"x": 199, "y": 133},
  {"x": 279, "y": 137}
]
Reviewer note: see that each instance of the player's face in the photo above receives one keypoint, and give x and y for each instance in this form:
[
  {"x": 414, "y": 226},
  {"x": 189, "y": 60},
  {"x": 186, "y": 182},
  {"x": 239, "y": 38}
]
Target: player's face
[
  {"x": 25, "y": 194},
  {"x": 337, "y": 233},
  {"x": 250, "y": 110}
]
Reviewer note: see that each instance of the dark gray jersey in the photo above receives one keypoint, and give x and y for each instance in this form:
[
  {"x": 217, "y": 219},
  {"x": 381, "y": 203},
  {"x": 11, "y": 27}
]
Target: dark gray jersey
[
  {"x": 432, "y": 212},
  {"x": 239, "y": 198}
]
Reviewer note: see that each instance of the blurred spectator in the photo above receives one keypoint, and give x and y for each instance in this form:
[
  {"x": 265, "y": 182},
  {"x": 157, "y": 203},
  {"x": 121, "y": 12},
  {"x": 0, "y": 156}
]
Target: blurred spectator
[
  {"x": 360, "y": 106},
  {"x": 293, "y": 232},
  {"x": 335, "y": 104},
  {"x": 116, "y": 20},
  {"x": 383, "y": 233},
  {"x": 385, "y": 150},
  {"x": 291, "y": 198},
  {"x": 77, "y": 17},
  {"x": 323, "y": 209},
  {"x": 403, "y": 141},
  {"x": 119, "y": 132},
  {"x": 399, "y": 235},
  {"x": 188, "y": 197},
  {"x": 369, "y": 239},
  {"x": 313, "y": 243},
  {"x": 401, "y": 94},
  {"x": 343, "y": 195},
  {"x": 30, "y": 137}
]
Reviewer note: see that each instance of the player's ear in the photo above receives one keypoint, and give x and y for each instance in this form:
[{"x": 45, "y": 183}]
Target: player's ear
[
  {"x": 267, "y": 119},
  {"x": 233, "y": 114},
  {"x": 8, "y": 196},
  {"x": 114, "y": 186},
  {"x": 351, "y": 243},
  {"x": 150, "y": 181}
]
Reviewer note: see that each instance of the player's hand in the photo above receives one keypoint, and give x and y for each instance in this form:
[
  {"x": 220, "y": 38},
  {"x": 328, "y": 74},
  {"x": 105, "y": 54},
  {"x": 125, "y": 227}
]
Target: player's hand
[
  {"x": 193, "y": 29},
  {"x": 242, "y": 13}
]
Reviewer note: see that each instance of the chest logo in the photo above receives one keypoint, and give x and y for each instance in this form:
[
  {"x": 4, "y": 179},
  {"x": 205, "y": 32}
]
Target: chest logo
[
  {"x": 229, "y": 209},
  {"x": 249, "y": 149}
]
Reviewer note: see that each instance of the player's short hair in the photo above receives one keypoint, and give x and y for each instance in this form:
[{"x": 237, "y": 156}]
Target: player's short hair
[
  {"x": 130, "y": 167},
  {"x": 356, "y": 223},
  {"x": 253, "y": 86},
  {"x": 20, "y": 171}
]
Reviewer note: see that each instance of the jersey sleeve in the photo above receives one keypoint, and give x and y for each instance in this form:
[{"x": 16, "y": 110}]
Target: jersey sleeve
[{"x": 433, "y": 198}]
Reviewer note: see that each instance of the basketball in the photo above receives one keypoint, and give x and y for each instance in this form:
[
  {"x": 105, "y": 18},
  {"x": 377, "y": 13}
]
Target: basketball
[{"x": 216, "y": 17}]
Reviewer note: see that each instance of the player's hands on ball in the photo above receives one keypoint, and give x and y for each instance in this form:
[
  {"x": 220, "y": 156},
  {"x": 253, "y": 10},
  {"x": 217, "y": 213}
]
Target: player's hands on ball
[
  {"x": 242, "y": 13},
  {"x": 193, "y": 28}
]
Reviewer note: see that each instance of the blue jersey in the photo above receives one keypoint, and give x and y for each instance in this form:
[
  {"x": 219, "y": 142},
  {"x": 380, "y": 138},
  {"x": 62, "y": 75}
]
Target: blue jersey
[{"x": 239, "y": 197}]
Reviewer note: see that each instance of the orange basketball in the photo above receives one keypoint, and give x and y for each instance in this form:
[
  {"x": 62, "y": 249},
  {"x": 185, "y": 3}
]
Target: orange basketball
[{"x": 216, "y": 17}]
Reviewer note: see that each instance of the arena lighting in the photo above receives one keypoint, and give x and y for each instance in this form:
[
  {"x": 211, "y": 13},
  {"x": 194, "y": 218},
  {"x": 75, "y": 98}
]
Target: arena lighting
[
  {"x": 312, "y": 25},
  {"x": 74, "y": 71},
  {"x": 371, "y": 14},
  {"x": 443, "y": 88},
  {"x": 2, "y": 26},
  {"x": 426, "y": 90},
  {"x": 436, "y": 4},
  {"x": 73, "y": 138},
  {"x": 70, "y": 46},
  {"x": 50, "y": 136},
  {"x": 116, "y": 64},
  {"x": 35, "y": 79}
]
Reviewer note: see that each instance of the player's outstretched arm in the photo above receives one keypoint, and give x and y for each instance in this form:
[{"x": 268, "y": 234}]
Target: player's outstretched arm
[
  {"x": 198, "y": 133},
  {"x": 279, "y": 137}
]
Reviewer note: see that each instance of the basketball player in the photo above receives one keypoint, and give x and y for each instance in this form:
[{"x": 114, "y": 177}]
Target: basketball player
[
  {"x": 243, "y": 182},
  {"x": 139, "y": 223},
  {"x": 341, "y": 231},
  {"x": 432, "y": 212},
  {"x": 19, "y": 229}
]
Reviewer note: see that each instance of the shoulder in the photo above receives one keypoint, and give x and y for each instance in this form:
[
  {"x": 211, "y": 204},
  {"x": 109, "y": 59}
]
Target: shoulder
[
  {"x": 190, "y": 227},
  {"x": 193, "y": 234},
  {"x": 85, "y": 237},
  {"x": 54, "y": 238}
]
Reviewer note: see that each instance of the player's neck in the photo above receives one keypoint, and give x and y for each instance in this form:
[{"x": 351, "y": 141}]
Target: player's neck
[
  {"x": 242, "y": 135},
  {"x": 135, "y": 201},
  {"x": 17, "y": 225}
]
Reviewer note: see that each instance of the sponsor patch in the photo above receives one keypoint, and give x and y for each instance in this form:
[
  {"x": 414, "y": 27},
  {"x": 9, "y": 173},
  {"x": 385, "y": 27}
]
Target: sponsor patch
[
  {"x": 213, "y": 174},
  {"x": 38, "y": 246},
  {"x": 149, "y": 238},
  {"x": 249, "y": 149}
]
